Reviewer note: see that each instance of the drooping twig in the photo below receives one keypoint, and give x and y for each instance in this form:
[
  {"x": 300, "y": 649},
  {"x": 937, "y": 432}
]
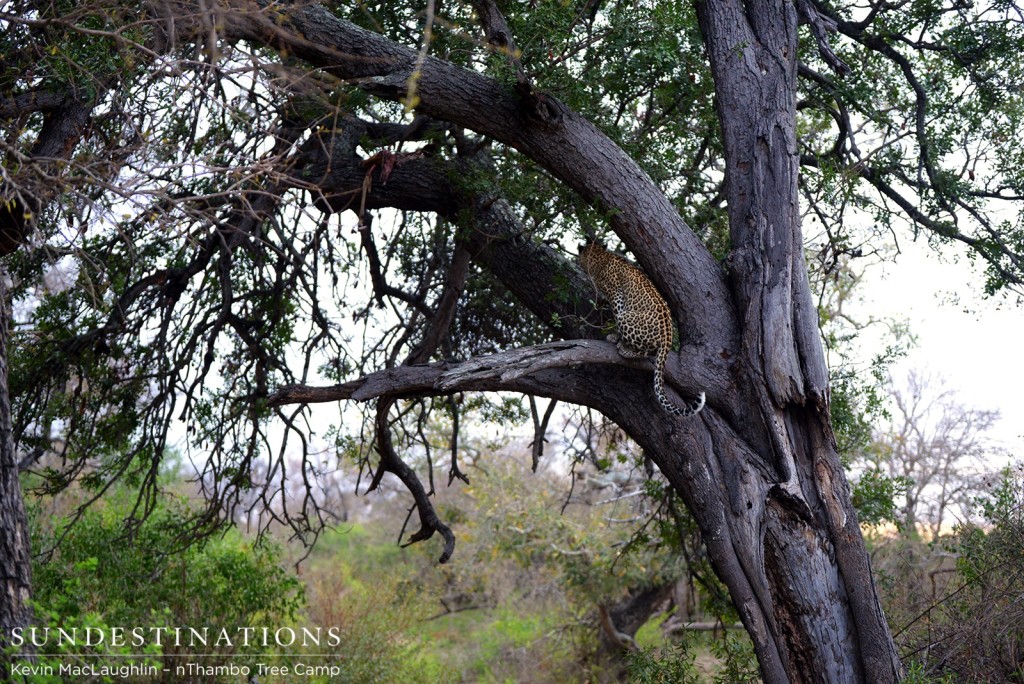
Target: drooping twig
[
  {"x": 390, "y": 462},
  {"x": 444, "y": 312},
  {"x": 454, "y": 471},
  {"x": 540, "y": 428}
]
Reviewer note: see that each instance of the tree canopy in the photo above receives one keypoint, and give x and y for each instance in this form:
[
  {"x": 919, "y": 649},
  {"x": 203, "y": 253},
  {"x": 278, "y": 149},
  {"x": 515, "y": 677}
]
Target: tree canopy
[{"x": 176, "y": 177}]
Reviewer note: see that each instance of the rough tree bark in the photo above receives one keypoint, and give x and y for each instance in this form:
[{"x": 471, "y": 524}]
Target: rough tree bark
[{"x": 15, "y": 550}]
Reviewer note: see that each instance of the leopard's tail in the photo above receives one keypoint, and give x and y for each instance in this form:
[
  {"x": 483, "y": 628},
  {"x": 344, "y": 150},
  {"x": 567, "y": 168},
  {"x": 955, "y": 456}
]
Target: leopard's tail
[{"x": 692, "y": 405}]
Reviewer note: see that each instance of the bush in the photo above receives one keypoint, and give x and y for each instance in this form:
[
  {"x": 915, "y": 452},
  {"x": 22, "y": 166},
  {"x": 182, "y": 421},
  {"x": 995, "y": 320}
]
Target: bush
[
  {"x": 102, "y": 579},
  {"x": 975, "y": 632}
]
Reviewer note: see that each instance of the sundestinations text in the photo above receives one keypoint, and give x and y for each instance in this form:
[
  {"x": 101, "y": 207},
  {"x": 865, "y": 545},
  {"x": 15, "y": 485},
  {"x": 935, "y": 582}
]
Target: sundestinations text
[{"x": 178, "y": 637}]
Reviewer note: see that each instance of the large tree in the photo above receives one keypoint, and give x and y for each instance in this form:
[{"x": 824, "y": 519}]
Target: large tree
[{"x": 172, "y": 173}]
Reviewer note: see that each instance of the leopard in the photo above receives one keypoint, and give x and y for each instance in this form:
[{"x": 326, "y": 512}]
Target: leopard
[{"x": 642, "y": 318}]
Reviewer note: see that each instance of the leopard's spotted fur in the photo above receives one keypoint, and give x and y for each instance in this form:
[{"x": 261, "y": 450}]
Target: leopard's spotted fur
[{"x": 642, "y": 317}]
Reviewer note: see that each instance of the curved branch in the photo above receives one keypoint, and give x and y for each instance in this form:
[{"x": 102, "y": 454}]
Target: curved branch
[
  {"x": 840, "y": 114},
  {"x": 821, "y": 25},
  {"x": 875, "y": 177}
]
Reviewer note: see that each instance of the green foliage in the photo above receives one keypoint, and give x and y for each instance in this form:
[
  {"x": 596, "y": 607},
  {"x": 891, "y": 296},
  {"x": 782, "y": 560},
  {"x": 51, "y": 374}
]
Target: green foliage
[
  {"x": 106, "y": 577},
  {"x": 672, "y": 665},
  {"x": 374, "y": 616},
  {"x": 917, "y": 674},
  {"x": 857, "y": 404},
  {"x": 592, "y": 564},
  {"x": 82, "y": 46},
  {"x": 98, "y": 569},
  {"x": 656, "y": 102},
  {"x": 852, "y": 403},
  {"x": 112, "y": 651},
  {"x": 875, "y": 496},
  {"x": 858, "y": 392},
  {"x": 467, "y": 621},
  {"x": 993, "y": 551},
  {"x": 942, "y": 107},
  {"x": 99, "y": 578},
  {"x": 739, "y": 664}
]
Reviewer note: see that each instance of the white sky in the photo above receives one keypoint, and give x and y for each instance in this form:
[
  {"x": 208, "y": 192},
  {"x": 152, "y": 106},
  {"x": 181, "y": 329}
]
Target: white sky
[{"x": 973, "y": 343}]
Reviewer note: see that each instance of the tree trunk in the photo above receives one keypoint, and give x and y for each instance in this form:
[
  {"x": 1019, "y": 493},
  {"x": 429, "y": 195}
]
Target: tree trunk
[
  {"x": 15, "y": 550},
  {"x": 810, "y": 548}
]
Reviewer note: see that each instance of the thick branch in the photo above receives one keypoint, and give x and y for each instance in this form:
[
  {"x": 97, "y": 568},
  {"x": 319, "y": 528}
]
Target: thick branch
[
  {"x": 31, "y": 101},
  {"x": 62, "y": 128},
  {"x": 561, "y": 370},
  {"x": 330, "y": 167}
]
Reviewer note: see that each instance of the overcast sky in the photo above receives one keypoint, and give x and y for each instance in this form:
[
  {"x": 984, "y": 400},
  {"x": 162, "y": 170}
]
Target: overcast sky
[{"x": 974, "y": 343}]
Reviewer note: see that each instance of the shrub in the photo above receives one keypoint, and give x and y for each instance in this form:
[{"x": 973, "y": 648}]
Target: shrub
[{"x": 100, "y": 577}]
